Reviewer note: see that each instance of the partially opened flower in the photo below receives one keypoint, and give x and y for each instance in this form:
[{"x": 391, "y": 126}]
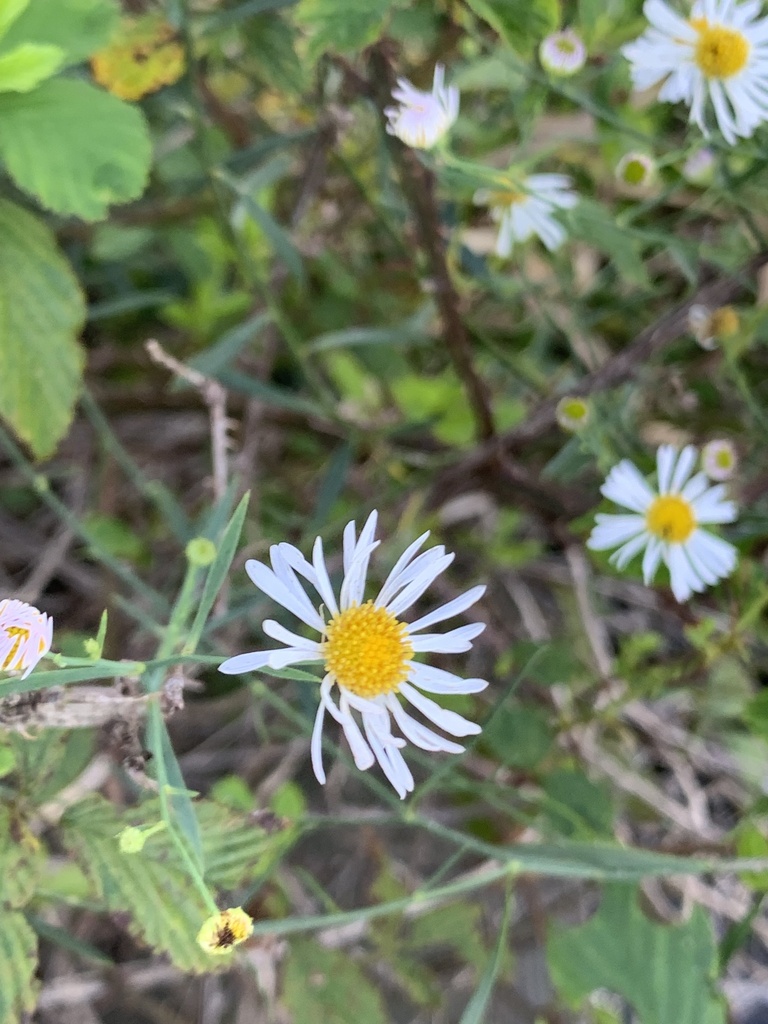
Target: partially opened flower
[
  {"x": 423, "y": 118},
  {"x": 367, "y": 650},
  {"x": 636, "y": 170},
  {"x": 563, "y": 53},
  {"x": 719, "y": 460},
  {"x": 718, "y": 53},
  {"x": 528, "y": 210},
  {"x": 573, "y": 413},
  {"x": 225, "y": 930},
  {"x": 712, "y": 326},
  {"x": 25, "y": 636},
  {"x": 665, "y": 524}
]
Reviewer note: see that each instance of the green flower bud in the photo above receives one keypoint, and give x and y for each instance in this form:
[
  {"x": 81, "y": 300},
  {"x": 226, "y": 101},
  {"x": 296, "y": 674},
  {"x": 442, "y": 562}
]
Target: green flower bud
[{"x": 200, "y": 552}]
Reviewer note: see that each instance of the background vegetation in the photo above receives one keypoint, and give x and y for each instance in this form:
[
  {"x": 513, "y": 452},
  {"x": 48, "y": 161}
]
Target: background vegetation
[{"x": 335, "y": 334}]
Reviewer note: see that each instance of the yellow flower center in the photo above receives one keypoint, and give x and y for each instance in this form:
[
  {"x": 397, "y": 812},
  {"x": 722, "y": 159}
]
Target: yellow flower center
[
  {"x": 671, "y": 519},
  {"x": 225, "y": 930},
  {"x": 21, "y": 636},
  {"x": 724, "y": 322},
  {"x": 723, "y": 458},
  {"x": 506, "y": 197},
  {"x": 367, "y": 650},
  {"x": 720, "y": 52}
]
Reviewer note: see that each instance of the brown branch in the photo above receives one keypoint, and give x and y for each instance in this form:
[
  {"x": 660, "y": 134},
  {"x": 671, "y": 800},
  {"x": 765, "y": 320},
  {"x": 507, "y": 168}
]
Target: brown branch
[
  {"x": 418, "y": 183},
  {"x": 488, "y": 458}
]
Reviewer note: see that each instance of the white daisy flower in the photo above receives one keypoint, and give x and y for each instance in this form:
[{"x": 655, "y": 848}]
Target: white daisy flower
[
  {"x": 719, "y": 52},
  {"x": 527, "y": 211},
  {"x": 367, "y": 650},
  {"x": 666, "y": 524},
  {"x": 563, "y": 53},
  {"x": 712, "y": 326},
  {"x": 423, "y": 118},
  {"x": 26, "y": 635},
  {"x": 719, "y": 460}
]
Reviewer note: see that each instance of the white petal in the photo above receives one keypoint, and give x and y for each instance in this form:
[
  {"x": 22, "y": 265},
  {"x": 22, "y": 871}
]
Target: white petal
[
  {"x": 437, "y": 680},
  {"x": 416, "y": 587},
  {"x": 626, "y": 487},
  {"x": 405, "y": 559},
  {"x": 292, "y": 656},
  {"x": 390, "y": 759},
  {"x": 453, "y": 642},
  {"x": 285, "y": 636},
  {"x": 417, "y": 733},
  {"x": 682, "y": 577},
  {"x": 245, "y": 662},
  {"x": 323, "y": 584},
  {"x": 353, "y": 587},
  {"x": 316, "y": 745},
  {"x": 711, "y": 507},
  {"x": 444, "y": 719},
  {"x": 361, "y": 752},
  {"x": 612, "y": 530},
  {"x": 447, "y": 611},
  {"x": 294, "y": 599},
  {"x": 665, "y": 464},
  {"x": 625, "y": 554},
  {"x": 349, "y": 544},
  {"x": 720, "y": 556},
  {"x": 651, "y": 560},
  {"x": 396, "y": 582},
  {"x": 685, "y": 465}
]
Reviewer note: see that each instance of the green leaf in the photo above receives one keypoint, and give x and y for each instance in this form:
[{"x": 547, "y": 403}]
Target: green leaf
[
  {"x": 578, "y": 807},
  {"x": 519, "y": 735},
  {"x": 28, "y": 65},
  {"x": 326, "y": 985},
  {"x": 18, "y": 961},
  {"x": 78, "y": 27},
  {"x": 520, "y": 23},
  {"x": 342, "y": 25},
  {"x": 217, "y": 573},
  {"x": 594, "y": 224},
  {"x": 76, "y": 148},
  {"x": 10, "y": 10},
  {"x": 21, "y": 863},
  {"x": 152, "y": 886},
  {"x": 41, "y": 313},
  {"x": 49, "y": 762},
  {"x": 474, "y": 1012},
  {"x": 664, "y": 972}
]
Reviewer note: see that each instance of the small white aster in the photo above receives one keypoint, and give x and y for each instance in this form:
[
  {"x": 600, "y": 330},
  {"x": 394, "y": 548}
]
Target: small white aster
[
  {"x": 367, "y": 650},
  {"x": 666, "y": 524},
  {"x": 25, "y": 636},
  {"x": 712, "y": 326},
  {"x": 719, "y": 460},
  {"x": 423, "y": 118},
  {"x": 528, "y": 210},
  {"x": 719, "y": 52},
  {"x": 563, "y": 53}
]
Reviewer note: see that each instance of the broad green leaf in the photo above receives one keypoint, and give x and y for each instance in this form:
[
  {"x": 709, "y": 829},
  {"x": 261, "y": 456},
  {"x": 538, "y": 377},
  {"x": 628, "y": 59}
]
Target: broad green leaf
[
  {"x": 520, "y": 23},
  {"x": 342, "y": 25},
  {"x": 519, "y": 735},
  {"x": 28, "y": 65},
  {"x": 76, "y": 148},
  {"x": 152, "y": 886},
  {"x": 578, "y": 807},
  {"x": 21, "y": 862},
  {"x": 594, "y": 224},
  {"x": 327, "y": 985},
  {"x": 18, "y": 962},
  {"x": 41, "y": 313},
  {"x": 77, "y": 26},
  {"x": 665, "y": 972}
]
